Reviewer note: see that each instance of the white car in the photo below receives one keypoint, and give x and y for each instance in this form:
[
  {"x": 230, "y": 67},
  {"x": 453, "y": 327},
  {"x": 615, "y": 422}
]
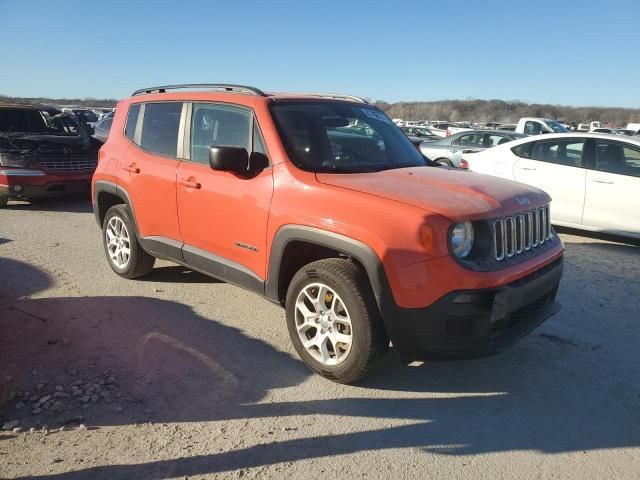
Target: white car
[{"x": 593, "y": 179}]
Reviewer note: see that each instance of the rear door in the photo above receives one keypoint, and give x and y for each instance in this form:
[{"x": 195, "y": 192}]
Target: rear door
[
  {"x": 148, "y": 172},
  {"x": 613, "y": 188},
  {"x": 223, "y": 216},
  {"x": 555, "y": 166}
]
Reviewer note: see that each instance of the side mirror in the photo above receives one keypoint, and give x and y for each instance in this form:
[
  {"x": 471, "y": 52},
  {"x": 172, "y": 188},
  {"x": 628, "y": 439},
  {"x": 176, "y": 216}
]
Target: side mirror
[
  {"x": 258, "y": 162},
  {"x": 229, "y": 159}
]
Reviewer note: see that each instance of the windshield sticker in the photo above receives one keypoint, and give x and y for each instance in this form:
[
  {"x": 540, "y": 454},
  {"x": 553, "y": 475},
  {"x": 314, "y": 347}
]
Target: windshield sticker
[{"x": 376, "y": 115}]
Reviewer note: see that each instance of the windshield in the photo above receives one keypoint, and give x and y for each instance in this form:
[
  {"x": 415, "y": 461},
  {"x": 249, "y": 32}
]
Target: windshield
[
  {"x": 342, "y": 138},
  {"x": 556, "y": 127},
  {"x": 23, "y": 120}
]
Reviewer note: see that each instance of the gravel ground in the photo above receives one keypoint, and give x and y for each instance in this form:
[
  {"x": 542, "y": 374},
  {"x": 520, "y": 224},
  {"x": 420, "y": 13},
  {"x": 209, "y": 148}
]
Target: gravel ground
[{"x": 179, "y": 375}]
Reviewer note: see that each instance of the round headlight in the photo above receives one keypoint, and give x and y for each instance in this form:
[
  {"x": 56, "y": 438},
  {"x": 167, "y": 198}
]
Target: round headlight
[{"x": 462, "y": 239}]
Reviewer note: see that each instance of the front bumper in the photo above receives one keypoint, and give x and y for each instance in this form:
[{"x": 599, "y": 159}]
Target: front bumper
[
  {"x": 474, "y": 323},
  {"x": 38, "y": 184}
]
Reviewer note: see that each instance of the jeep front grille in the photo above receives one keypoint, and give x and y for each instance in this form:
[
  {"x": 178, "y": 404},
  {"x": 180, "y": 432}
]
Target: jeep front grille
[{"x": 520, "y": 233}]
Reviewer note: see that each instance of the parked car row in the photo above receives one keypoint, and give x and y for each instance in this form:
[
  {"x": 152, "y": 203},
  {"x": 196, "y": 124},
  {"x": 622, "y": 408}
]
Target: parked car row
[
  {"x": 449, "y": 151},
  {"x": 593, "y": 179}
]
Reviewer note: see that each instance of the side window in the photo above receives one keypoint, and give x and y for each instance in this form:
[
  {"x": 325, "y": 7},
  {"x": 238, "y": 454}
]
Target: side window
[
  {"x": 132, "y": 120},
  {"x": 493, "y": 140},
  {"x": 258, "y": 140},
  {"x": 472, "y": 140},
  {"x": 213, "y": 124},
  {"x": 563, "y": 152},
  {"x": 523, "y": 150},
  {"x": 160, "y": 127},
  {"x": 619, "y": 158},
  {"x": 532, "y": 128}
]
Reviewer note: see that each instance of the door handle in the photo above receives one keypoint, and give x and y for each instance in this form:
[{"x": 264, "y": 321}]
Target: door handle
[
  {"x": 131, "y": 168},
  {"x": 608, "y": 182},
  {"x": 530, "y": 169},
  {"x": 190, "y": 183}
]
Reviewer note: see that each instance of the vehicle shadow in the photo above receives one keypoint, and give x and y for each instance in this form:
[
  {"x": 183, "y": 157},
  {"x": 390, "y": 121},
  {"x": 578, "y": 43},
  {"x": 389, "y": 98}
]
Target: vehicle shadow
[
  {"x": 609, "y": 237},
  {"x": 73, "y": 203},
  {"x": 173, "y": 365},
  {"x": 178, "y": 274}
]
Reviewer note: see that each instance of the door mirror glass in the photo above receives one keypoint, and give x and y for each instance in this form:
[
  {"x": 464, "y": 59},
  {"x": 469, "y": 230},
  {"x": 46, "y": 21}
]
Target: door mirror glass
[{"x": 229, "y": 159}]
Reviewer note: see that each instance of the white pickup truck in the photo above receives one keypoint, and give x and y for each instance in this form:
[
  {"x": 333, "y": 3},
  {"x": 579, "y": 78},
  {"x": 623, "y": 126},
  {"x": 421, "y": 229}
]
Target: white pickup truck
[{"x": 536, "y": 126}]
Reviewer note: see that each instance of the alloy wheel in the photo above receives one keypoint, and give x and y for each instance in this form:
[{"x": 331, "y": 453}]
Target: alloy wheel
[{"x": 323, "y": 324}]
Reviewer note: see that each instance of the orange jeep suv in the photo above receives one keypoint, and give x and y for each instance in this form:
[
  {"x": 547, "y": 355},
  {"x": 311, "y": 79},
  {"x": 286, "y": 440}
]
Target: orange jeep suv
[{"x": 321, "y": 204}]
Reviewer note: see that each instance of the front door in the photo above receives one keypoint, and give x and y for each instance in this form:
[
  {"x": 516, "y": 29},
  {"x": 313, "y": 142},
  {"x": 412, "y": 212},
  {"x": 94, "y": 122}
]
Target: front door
[{"x": 223, "y": 216}]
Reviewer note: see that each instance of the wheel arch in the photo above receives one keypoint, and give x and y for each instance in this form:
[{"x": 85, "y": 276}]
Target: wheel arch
[
  {"x": 296, "y": 245},
  {"x": 107, "y": 194}
]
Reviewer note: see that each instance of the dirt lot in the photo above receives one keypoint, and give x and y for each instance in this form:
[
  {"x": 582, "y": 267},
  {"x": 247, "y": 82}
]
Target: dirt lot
[{"x": 178, "y": 375}]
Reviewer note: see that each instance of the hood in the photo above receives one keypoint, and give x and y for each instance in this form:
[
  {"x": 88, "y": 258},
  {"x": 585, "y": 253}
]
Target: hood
[
  {"x": 456, "y": 194},
  {"x": 37, "y": 143}
]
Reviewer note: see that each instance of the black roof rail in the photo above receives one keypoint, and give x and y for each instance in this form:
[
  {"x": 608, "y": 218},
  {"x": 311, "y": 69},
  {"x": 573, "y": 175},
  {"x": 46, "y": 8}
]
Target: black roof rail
[
  {"x": 337, "y": 96},
  {"x": 214, "y": 86}
]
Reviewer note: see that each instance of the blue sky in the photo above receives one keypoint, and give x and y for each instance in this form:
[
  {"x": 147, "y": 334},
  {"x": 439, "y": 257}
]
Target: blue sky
[{"x": 566, "y": 52}]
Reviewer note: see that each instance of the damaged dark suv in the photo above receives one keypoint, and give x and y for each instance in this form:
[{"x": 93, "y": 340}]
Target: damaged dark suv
[{"x": 43, "y": 153}]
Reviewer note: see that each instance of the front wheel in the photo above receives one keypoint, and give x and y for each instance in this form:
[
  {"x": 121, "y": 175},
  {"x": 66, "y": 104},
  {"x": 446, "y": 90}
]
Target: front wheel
[
  {"x": 334, "y": 321},
  {"x": 125, "y": 255}
]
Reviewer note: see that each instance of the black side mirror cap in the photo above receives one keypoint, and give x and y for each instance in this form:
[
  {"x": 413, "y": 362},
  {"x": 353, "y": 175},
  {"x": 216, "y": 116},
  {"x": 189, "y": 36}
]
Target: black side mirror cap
[
  {"x": 229, "y": 159},
  {"x": 258, "y": 162}
]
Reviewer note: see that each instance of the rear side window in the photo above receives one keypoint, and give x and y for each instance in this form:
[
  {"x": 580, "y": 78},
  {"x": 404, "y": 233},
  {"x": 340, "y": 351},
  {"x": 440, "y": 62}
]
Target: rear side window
[
  {"x": 214, "y": 124},
  {"x": 132, "y": 120},
  {"x": 563, "y": 152},
  {"x": 618, "y": 158},
  {"x": 523, "y": 150},
  {"x": 160, "y": 127},
  {"x": 472, "y": 140},
  {"x": 494, "y": 140}
]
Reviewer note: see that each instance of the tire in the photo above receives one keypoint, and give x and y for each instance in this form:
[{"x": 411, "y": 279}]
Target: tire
[
  {"x": 444, "y": 162},
  {"x": 138, "y": 263},
  {"x": 3, "y": 201},
  {"x": 347, "y": 294}
]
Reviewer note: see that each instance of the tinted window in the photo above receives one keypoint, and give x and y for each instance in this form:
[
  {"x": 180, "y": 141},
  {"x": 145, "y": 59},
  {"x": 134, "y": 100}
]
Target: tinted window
[
  {"x": 218, "y": 125},
  {"x": 614, "y": 157},
  {"x": 132, "y": 120},
  {"x": 493, "y": 140},
  {"x": 472, "y": 140},
  {"x": 532, "y": 128},
  {"x": 17, "y": 120},
  {"x": 160, "y": 127},
  {"x": 523, "y": 150},
  {"x": 564, "y": 152}
]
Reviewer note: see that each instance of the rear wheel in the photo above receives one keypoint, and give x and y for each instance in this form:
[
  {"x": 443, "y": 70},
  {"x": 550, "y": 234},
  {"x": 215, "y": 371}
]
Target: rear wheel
[
  {"x": 3, "y": 201},
  {"x": 334, "y": 321},
  {"x": 125, "y": 255}
]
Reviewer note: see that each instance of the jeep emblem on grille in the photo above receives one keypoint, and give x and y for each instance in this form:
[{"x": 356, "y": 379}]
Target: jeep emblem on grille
[{"x": 522, "y": 201}]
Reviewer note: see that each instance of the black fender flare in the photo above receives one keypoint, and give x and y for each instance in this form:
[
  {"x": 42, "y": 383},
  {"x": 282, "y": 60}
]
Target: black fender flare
[
  {"x": 114, "y": 189},
  {"x": 343, "y": 244}
]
